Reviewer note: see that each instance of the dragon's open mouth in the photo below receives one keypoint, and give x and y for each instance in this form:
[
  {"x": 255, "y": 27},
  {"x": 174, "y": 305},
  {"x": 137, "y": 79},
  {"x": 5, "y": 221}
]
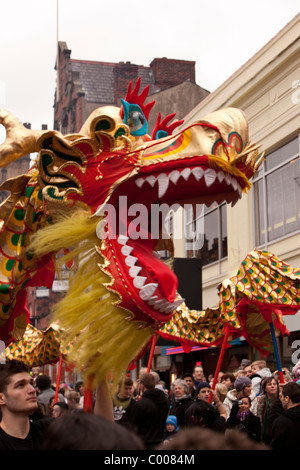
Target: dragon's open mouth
[{"x": 134, "y": 234}]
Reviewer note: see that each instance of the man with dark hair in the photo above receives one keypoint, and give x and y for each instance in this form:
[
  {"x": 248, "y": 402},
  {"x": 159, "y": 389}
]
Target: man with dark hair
[
  {"x": 148, "y": 417},
  {"x": 45, "y": 391},
  {"x": 189, "y": 379},
  {"x": 286, "y": 428},
  {"x": 17, "y": 402}
]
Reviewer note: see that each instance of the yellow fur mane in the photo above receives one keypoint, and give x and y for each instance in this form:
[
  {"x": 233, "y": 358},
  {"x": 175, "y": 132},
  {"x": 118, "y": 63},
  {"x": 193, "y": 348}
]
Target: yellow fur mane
[{"x": 103, "y": 341}]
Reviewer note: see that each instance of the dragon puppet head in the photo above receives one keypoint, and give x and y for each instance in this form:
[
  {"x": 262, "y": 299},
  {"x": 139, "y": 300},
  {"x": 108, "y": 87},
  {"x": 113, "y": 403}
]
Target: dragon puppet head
[{"x": 101, "y": 195}]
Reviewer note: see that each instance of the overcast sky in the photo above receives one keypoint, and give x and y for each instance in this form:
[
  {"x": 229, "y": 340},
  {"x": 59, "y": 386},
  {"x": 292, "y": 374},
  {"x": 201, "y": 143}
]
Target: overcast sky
[{"x": 220, "y": 36}]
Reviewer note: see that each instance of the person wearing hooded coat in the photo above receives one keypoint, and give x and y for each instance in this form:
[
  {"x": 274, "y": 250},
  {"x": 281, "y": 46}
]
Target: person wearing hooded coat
[
  {"x": 242, "y": 387},
  {"x": 286, "y": 428},
  {"x": 148, "y": 417}
]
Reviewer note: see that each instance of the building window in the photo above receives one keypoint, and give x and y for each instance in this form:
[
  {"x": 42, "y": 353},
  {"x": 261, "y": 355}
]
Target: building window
[
  {"x": 277, "y": 194},
  {"x": 206, "y": 234}
]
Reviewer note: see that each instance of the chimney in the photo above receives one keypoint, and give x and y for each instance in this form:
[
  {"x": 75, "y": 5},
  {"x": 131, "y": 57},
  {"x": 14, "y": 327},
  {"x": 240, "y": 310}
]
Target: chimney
[
  {"x": 172, "y": 72},
  {"x": 124, "y": 72}
]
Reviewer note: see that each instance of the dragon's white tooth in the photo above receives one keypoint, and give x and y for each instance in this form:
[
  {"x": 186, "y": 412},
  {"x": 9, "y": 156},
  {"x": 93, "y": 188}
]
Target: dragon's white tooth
[
  {"x": 186, "y": 173},
  {"x": 157, "y": 254},
  {"x": 234, "y": 202},
  {"x": 240, "y": 191},
  {"x": 122, "y": 239},
  {"x": 126, "y": 250},
  {"x": 130, "y": 260},
  {"x": 210, "y": 177},
  {"x": 165, "y": 306},
  {"x": 227, "y": 178},
  {"x": 158, "y": 304},
  {"x": 174, "y": 305},
  {"x": 139, "y": 182},
  {"x": 139, "y": 281},
  {"x": 198, "y": 173},
  {"x": 220, "y": 176},
  {"x": 174, "y": 176},
  {"x": 163, "y": 184},
  {"x": 234, "y": 183},
  {"x": 152, "y": 300},
  {"x": 147, "y": 291},
  {"x": 134, "y": 270},
  {"x": 151, "y": 180}
]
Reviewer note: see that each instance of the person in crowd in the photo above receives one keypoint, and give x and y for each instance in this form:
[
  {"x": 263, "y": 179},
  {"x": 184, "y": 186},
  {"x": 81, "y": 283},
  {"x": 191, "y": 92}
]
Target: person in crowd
[
  {"x": 18, "y": 400},
  {"x": 188, "y": 378},
  {"x": 228, "y": 379},
  {"x": 242, "y": 419},
  {"x": 162, "y": 386},
  {"x": 204, "y": 414},
  {"x": 59, "y": 409},
  {"x": 198, "y": 375},
  {"x": 239, "y": 373},
  {"x": 259, "y": 371},
  {"x": 245, "y": 363},
  {"x": 79, "y": 387},
  {"x": 286, "y": 428},
  {"x": 248, "y": 370},
  {"x": 264, "y": 403},
  {"x": 172, "y": 427},
  {"x": 49, "y": 407},
  {"x": 221, "y": 391},
  {"x": 296, "y": 372},
  {"x": 123, "y": 402},
  {"x": 148, "y": 416},
  {"x": 220, "y": 376},
  {"x": 204, "y": 392},
  {"x": 85, "y": 431},
  {"x": 242, "y": 387},
  {"x": 181, "y": 400},
  {"x": 73, "y": 401},
  {"x": 287, "y": 376},
  {"x": 45, "y": 390}
]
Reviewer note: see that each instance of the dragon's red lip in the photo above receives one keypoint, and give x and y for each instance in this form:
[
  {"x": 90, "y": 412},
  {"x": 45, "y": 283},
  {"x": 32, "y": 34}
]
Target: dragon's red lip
[{"x": 197, "y": 183}]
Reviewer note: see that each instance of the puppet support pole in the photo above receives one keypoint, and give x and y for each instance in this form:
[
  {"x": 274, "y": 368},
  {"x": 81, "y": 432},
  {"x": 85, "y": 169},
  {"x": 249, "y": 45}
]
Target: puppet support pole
[
  {"x": 151, "y": 353},
  {"x": 58, "y": 379},
  {"x": 88, "y": 395},
  {"x": 276, "y": 352},
  {"x": 220, "y": 360}
]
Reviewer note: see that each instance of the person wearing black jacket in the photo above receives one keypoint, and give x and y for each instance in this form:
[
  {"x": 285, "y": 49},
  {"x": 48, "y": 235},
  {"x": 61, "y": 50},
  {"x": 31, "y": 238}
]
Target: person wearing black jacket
[
  {"x": 148, "y": 416},
  {"x": 244, "y": 420},
  {"x": 286, "y": 428}
]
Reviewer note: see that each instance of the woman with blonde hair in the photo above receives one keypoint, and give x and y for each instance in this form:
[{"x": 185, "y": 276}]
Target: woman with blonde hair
[{"x": 221, "y": 391}]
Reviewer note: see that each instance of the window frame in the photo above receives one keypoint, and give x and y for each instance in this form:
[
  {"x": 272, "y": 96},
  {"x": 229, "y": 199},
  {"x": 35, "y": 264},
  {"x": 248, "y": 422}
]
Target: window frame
[
  {"x": 206, "y": 212},
  {"x": 262, "y": 175}
]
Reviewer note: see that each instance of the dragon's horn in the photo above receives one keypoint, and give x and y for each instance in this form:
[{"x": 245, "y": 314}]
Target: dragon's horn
[{"x": 19, "y": 141}]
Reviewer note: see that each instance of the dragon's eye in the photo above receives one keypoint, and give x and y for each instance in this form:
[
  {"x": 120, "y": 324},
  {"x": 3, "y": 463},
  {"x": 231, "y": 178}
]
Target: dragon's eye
[{"x": 134, "y": 118}]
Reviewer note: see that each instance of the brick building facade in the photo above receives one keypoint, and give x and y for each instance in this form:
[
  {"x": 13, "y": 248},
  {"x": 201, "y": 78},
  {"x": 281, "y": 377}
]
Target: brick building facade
[{"x": 83, "y": 86}]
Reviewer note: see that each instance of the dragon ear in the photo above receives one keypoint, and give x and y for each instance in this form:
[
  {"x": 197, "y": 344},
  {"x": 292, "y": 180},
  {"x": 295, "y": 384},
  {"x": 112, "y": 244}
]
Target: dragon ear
[
  {"x": 162, "y": 129},
  {"x": 132, "y": 97}
]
